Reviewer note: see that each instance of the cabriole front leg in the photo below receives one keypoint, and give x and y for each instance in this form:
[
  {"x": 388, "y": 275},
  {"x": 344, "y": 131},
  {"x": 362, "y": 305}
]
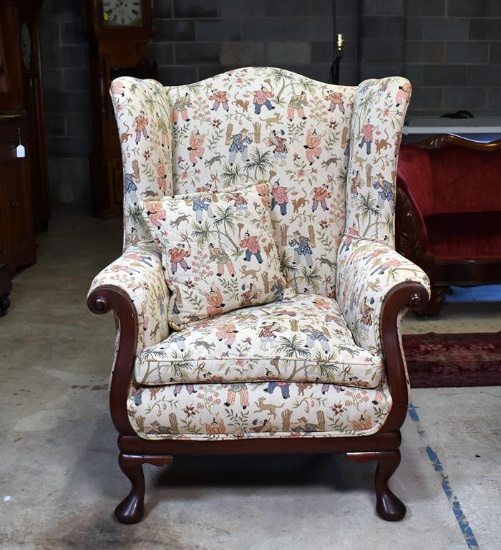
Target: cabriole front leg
[
  {"x": 388, "y": 506},
  {"x": 131, "y": 509}
]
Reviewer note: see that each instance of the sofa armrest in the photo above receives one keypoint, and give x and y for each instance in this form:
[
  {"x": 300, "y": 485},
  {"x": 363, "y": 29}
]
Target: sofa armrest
[
  {"x": 368, "y": 272},
  {"x": 137, "y": 273}
]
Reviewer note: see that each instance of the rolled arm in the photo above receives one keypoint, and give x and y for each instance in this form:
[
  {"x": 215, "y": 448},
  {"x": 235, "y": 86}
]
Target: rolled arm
[
  {"x": 396, "y": 302},
  {"x": 368, "y": 272},
  {"x": 138, "y": 274}
]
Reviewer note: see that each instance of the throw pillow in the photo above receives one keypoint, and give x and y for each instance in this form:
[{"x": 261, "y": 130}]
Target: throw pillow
[{"x": 218, "y": 251}]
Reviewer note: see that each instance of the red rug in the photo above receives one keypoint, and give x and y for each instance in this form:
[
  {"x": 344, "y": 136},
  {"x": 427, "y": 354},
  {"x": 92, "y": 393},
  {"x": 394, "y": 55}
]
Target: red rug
[{"x": 453, "y": 360}]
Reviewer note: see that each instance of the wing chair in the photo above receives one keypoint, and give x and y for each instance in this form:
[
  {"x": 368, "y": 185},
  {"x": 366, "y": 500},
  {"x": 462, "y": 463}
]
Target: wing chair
[{"x": 259, "y": 295}]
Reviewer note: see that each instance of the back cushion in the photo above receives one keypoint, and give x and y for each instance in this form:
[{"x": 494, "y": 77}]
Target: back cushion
[
  {"x": 415, "y": 176},
  {"x": 466, "y": 180},
  {"x": 271, "y": 126}
]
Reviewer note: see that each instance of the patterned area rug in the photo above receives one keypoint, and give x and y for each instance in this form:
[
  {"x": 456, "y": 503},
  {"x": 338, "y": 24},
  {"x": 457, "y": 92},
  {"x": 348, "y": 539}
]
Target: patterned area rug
[{"x": 453, "y": 360}]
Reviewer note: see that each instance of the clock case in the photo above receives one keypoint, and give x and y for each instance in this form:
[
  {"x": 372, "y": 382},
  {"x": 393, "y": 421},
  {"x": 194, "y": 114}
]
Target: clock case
[
  {"x": 126, "y": 13},
  {"x": 26, "y": 45},
  {"x": 21, "y": 92},
  {"x": 114, "y": 51},
  {"x": 24, "y": 181}
]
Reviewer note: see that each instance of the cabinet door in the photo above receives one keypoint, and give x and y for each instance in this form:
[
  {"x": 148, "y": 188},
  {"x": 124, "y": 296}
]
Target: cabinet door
[
  {"x": 17, "y": 239},
  {"x": 20, "y": 233},
  {"x": 4, "y": 214}
]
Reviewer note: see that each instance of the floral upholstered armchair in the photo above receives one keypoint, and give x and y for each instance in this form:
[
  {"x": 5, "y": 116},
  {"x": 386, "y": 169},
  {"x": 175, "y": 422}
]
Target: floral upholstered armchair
[{"x": 259, "y": 295}]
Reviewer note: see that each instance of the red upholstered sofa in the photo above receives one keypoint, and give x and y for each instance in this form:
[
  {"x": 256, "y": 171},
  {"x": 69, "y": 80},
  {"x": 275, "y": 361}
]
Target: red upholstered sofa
[{"x": 448, "y": 212}]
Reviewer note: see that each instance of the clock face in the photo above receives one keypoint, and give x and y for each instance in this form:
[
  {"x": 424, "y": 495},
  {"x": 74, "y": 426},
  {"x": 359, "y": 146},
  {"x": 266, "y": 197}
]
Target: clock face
[
  {"x": 122, "y": 13},
  {"x": 26, "y": 45}
]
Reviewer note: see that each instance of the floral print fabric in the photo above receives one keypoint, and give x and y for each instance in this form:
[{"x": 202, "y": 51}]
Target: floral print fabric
[
  {"x": 329, "y": 155},
  {"x": 271, "y": 125},
  {"x": 218, "y": 252},
  {"x": 303, "y": 339},
  {"x": 368, "y": 270},
  {"x": 138, "y": 272},
  {"x": 266, "y": 409}
]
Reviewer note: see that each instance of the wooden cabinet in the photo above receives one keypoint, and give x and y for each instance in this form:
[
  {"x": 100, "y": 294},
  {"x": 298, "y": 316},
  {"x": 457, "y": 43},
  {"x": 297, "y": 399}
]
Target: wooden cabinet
[
  {"x": 21, "y": 91},
  {"x": 24, "y": 182},
  {"x": 17, "y": 239},
  {"x": 17, "y": 236},
  {"x": 5, "y": 286}
]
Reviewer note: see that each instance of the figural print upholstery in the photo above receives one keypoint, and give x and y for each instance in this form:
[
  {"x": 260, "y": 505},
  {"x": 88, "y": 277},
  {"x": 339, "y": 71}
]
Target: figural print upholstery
[
  {"x": 311, "y": 365},
  {"x": 213, "y": 246}
]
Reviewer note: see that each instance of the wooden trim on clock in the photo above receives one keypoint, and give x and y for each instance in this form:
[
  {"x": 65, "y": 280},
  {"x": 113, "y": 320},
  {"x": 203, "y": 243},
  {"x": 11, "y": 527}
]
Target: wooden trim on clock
[{"x": 94, "y": 24}]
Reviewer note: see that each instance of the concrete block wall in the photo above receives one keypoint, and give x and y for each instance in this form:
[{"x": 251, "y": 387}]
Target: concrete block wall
[
  {"x": 199, "y": 38},
  {"x": 67, "y": 99},
  {"x": 449, "y": 49}
]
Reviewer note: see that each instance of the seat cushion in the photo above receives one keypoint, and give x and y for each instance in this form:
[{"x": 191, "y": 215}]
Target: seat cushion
[
  {"x": 257, "y": 409},
  {"x": 218, "y": 251},
  {"x": 303, "y": 339},
  {"x": 463, "y": 236}
]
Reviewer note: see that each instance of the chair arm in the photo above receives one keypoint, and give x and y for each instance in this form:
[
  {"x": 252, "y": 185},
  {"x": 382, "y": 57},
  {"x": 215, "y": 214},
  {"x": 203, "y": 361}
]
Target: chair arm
[
  {"x": 102, "y": 299},
  {"x": 396, "y": 303},
  {"x": 138, "y": 273},
  {"x": 134, "y": 288},
  {"x": 367, "y": 273}
]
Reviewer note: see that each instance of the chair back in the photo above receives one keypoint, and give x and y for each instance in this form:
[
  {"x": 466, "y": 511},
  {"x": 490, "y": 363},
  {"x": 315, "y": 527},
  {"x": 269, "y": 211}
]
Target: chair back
[{"x": 327, "y": 154}]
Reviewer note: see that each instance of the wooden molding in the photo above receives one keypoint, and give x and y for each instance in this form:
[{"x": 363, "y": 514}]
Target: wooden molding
[{"x": 440, "y": 140}]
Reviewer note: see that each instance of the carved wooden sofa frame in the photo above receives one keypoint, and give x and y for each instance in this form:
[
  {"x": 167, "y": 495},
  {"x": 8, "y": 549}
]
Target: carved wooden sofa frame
[{"x": 470, "y": 163}]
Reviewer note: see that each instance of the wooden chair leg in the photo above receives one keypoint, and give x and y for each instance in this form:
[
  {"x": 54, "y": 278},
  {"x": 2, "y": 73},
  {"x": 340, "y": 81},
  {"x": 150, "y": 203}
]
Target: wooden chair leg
[
  {"x": 131, "y": 509},
  {"x": 388, "y": 506}
]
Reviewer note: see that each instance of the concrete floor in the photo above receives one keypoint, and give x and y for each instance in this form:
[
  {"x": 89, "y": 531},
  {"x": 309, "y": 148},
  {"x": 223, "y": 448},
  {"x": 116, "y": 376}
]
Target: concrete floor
[{"x": 59, "y": 478}]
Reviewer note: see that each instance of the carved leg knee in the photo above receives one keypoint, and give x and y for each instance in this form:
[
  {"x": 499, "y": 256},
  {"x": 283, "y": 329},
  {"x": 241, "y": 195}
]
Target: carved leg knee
[
  {"x": 388, "y": 506},
  {"x": 131, "y": 509}
]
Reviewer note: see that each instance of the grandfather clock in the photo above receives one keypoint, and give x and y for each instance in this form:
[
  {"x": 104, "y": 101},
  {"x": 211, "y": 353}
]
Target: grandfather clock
[
  {"x": 21, "y": 92},
  {"x": 24, "y": 195},
  {"x": 118, "y": 32}
]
